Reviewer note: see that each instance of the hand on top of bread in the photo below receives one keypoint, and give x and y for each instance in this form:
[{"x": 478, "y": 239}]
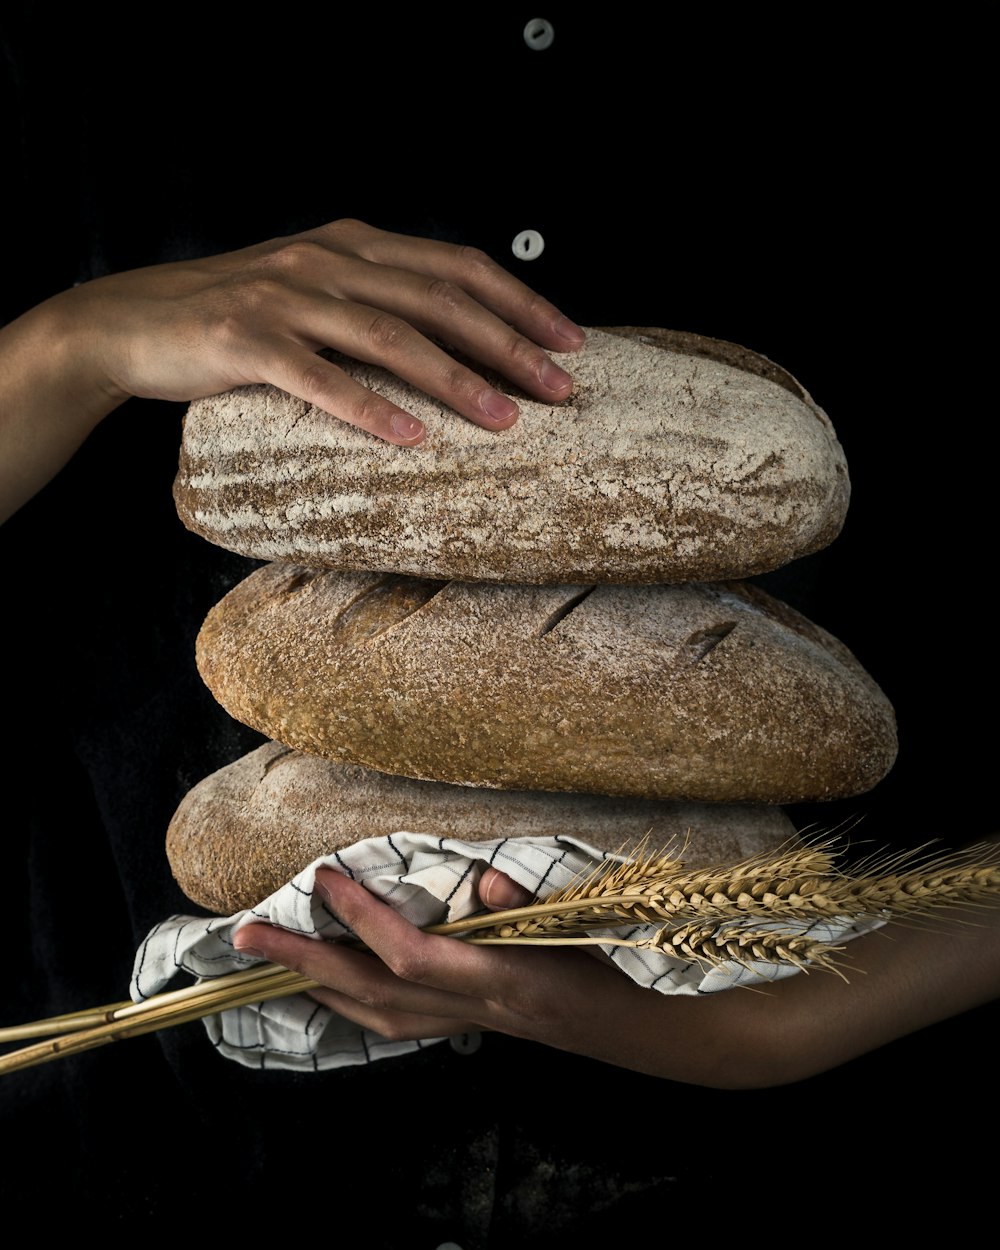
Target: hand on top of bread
[
  {"x": 260, "y": 314},
  {"x": 195, "y": 328}
]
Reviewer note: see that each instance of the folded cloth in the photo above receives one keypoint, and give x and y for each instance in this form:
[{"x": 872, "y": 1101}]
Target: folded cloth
[{"x": 430, "y": 880}]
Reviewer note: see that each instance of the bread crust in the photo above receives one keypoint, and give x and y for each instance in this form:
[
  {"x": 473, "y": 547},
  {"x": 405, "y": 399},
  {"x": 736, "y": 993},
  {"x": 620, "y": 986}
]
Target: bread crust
[
  {"x": 701, "y": 693},
  {"x": 678, "y": 458},
  {"x": 249, "y": 828}
]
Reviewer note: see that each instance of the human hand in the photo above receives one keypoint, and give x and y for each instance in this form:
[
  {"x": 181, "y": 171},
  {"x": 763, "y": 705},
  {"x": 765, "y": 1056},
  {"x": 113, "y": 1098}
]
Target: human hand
[
  {"x": 194, "y": 328},
  {"x": 409, "y": 985}
]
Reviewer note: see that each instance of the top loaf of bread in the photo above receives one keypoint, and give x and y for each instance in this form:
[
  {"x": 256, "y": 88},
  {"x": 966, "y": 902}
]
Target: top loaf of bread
[{"x": 678, "y": 458}]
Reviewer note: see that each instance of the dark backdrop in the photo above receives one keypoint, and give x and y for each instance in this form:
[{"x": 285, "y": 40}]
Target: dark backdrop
[{"x": 815, "y": 195}]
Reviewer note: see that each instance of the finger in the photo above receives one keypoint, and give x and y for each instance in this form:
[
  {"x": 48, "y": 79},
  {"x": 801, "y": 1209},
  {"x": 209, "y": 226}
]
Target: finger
[
  {"x": 307, "y": 376},
  {"x": 471, "y": 269},
  {"x": 442, "y": 309},
  {"x": 392, "y": 1025},
  {"x": 378, "y": 338},
  {"x": 353, "y": 976},
  {"x": 443, "y": 963},
  {"x": 499, "y": 892},
  {"x": 360, "y": 988},
  {"x": 387, "y": 316}
]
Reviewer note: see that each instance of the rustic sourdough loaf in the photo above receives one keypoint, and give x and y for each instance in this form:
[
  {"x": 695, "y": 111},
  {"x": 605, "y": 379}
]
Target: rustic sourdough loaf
[
  {"x": 706, "y": 692},
  {"x": 247, "y": 829},
  {"x": 679, "y": 458}
]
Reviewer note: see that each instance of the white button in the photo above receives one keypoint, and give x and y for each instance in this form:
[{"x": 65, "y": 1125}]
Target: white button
[
  {"x": 467, "y": 1043},
  {"x": 538, "y": 34},
  {"x": 528, "y": 245}
]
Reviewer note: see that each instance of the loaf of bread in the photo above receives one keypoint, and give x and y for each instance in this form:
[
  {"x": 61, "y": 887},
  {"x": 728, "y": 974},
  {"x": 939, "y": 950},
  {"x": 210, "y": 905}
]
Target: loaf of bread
[
  {"x": 678, "y": 458},
  {"x": 247, "y": 829},
  {"x": 698, "y": 692}
]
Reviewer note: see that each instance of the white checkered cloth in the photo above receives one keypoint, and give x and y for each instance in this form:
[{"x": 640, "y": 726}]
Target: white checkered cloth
[{"x": 430, "y": 880}]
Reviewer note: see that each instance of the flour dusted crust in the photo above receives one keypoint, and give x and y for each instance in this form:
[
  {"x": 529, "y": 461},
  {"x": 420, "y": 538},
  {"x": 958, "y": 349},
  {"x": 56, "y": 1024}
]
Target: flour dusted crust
[
  {"x": 247, "y": 829},
  {"x": 702, "y": 693},
  {"x": 679, "y": 458}
]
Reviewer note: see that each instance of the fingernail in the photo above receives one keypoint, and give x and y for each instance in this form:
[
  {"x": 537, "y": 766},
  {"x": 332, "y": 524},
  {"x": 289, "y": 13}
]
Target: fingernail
[
  {"x": 554, "y": 378},
  {"x": 502, "y": 893},
  {"x": 405, "y": 426},
  {"x": 498, "y": 407},
  {"x": 487, "y": 894},
  {"x": 251, "y": 952},
  {"x": 569, "y": 331}
]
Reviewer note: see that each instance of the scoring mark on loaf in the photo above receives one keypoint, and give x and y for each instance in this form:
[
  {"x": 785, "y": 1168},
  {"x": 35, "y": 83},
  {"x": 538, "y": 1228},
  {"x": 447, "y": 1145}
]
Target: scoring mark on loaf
[
  {"x": 384, "y": 605},
  {"x": 562, "y": 612},
  {"x": 279, "y": 758},
  {"x": 702, "y": 641},
  {"x": 298, "y": 581}
]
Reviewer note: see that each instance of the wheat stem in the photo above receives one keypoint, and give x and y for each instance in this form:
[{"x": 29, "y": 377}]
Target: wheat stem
[
  {"x": 95, "y": 1016},
  {"x": 237, "y": 989},
  {"x": 73, "y": 1020}
]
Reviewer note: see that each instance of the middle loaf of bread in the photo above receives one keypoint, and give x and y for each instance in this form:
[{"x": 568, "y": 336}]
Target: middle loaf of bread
[{"x": 702, "y": 692}]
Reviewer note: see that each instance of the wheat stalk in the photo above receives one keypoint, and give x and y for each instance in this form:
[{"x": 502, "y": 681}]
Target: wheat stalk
[
  {"x": 745, "y": 913},
  {"x": 128, "y": 1019},
  {"x": 798, "y": 886}
]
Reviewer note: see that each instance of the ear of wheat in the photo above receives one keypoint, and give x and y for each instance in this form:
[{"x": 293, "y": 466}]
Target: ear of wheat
[
  {"x": 801, "y": 883},
  {"x": 745, "y": 913}
]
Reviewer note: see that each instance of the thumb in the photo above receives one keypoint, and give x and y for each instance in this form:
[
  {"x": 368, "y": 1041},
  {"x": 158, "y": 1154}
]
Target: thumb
[{"x": 499, "y": 892}]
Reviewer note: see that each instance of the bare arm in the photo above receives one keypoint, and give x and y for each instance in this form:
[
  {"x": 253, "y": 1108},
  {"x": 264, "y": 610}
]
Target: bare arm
[
  {"x": 415, "y": 985},
  {"x": 261, "y": 314}
]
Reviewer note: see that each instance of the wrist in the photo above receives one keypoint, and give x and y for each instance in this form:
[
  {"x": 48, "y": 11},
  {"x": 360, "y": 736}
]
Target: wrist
[
  {"x": 53, "y": 392},
  {"x": 63, "y": 337}
]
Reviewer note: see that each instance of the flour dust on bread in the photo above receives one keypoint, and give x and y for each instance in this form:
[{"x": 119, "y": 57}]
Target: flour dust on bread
[
  {"x": 678, "y": 458},
  {"x": 697, "y": 692},
  {"x": 244, "y": 831}
]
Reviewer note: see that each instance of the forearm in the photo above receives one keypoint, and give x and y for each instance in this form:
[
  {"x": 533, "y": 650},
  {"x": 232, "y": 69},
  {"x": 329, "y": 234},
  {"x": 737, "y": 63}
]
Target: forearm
[
  {"x": 52, "y": 395},
  {"x": 899, "y": 979}
]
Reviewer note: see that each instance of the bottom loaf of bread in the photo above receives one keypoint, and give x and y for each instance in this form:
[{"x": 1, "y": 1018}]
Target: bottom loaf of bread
[{"x": 249, "y": 828}]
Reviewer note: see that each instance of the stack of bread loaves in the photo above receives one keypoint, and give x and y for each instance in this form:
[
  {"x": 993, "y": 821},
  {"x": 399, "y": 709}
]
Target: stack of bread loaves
[{"x": 533, "y": 634}]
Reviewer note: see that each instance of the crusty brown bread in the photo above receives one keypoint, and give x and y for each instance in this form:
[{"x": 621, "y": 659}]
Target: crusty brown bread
[
  {"x": 702, "y": 693},
  {"x": 679, "y": 458},
  {"x": 247, "y": 829}
]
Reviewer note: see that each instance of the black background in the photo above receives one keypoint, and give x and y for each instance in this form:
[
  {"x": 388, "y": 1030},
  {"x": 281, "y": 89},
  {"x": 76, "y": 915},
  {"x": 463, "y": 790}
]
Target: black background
[{"x": 814, "y": 194}]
